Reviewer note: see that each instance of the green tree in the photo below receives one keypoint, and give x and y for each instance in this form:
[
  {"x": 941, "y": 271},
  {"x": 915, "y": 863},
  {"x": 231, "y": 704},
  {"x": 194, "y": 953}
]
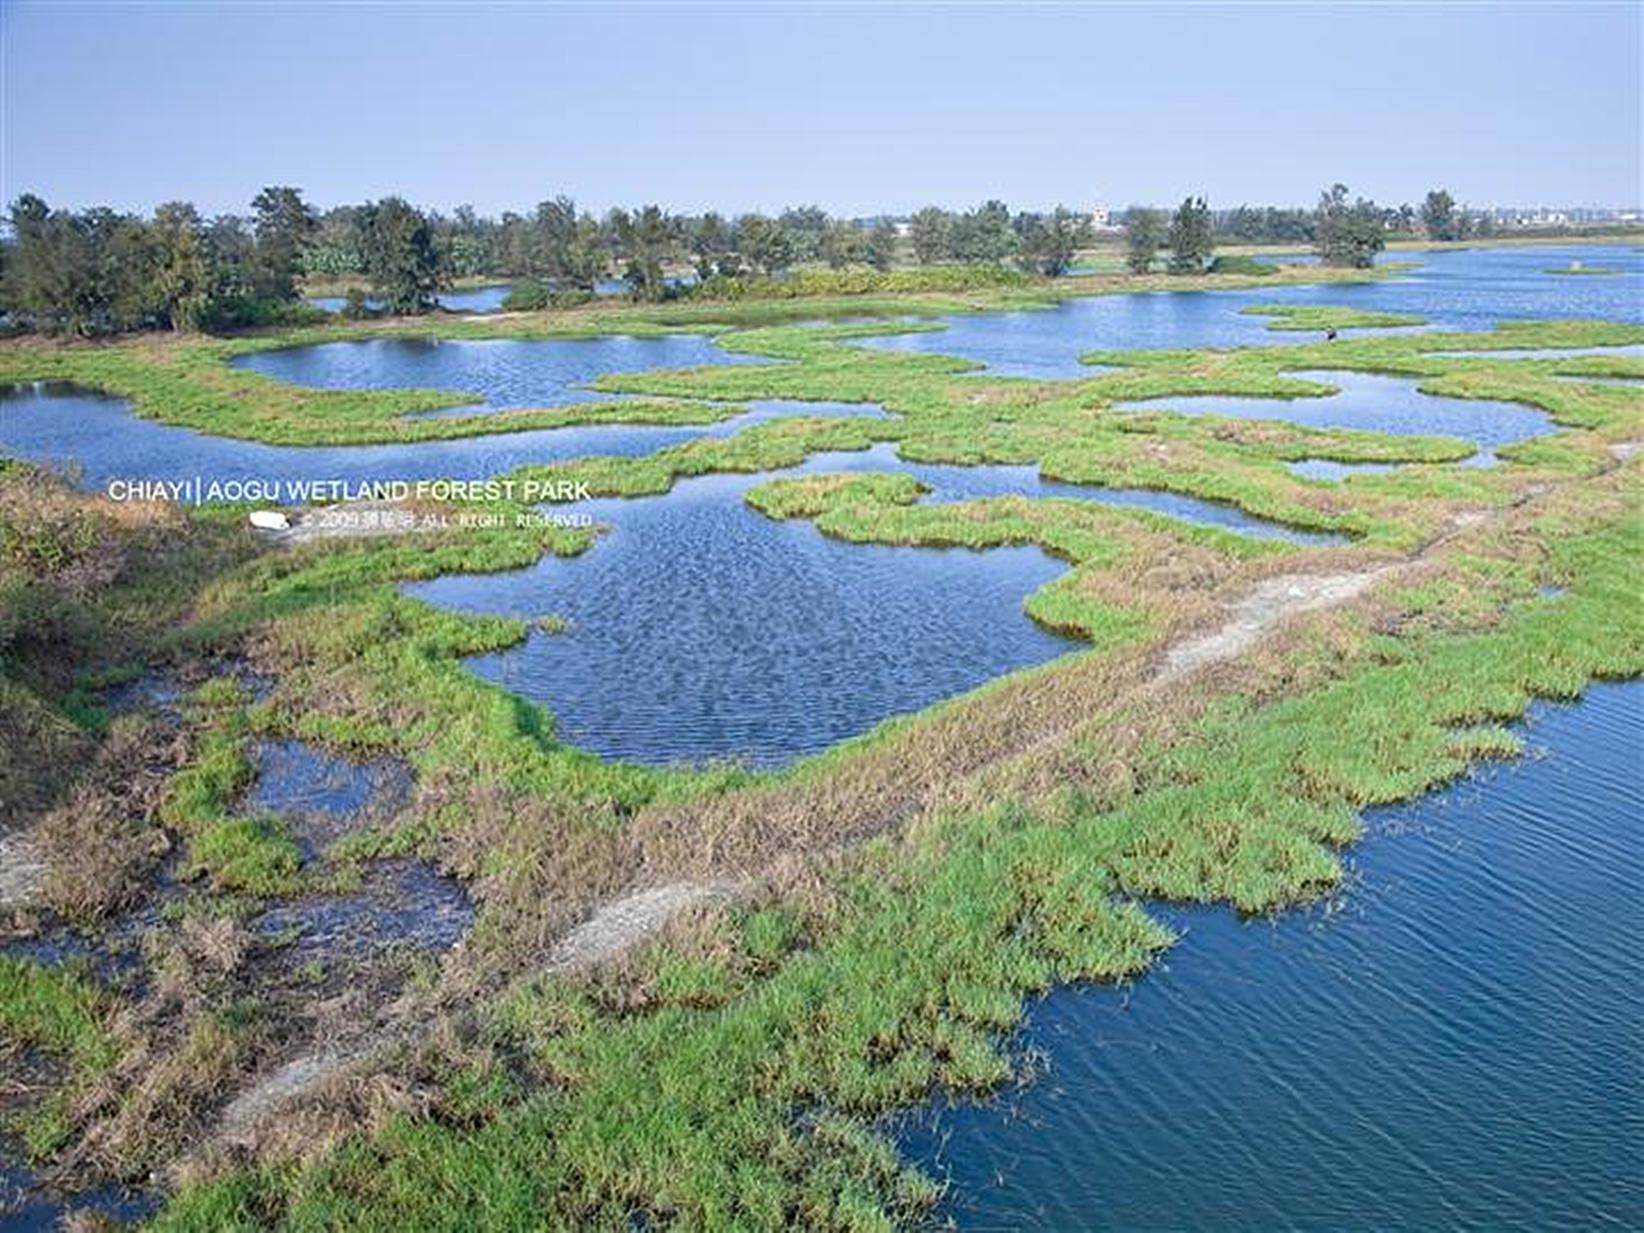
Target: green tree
[
  {"x": 983, "y": 235},
  {"x": 646, "y": 240},
  {"x": 1192, "y": 237},
  {"x": 1439, "y": 217},
  {"x": 401, "y": 257},
  {"x": 1049, "y": 242},
  {"x": 929, "y": 230},
  {"x": 842, "y": 244},
  {"x": 713, "y": 247},
  {"x": 807, "y": 228},
  {"x": 182, "y": 270},
  {"x": 880, "y": 248},
  {"x": 765, "y": 243},
  {"x": 1347, "y": 234},
  {"x": 283, "y": 224},
  {"x": 1144, "y": 233}
]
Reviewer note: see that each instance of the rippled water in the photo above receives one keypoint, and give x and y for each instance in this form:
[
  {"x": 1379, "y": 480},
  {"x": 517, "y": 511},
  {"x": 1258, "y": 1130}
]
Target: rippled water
[
  {"x": 1455, "y": 1043},
  {"x": 1374, "y": 403},
  {"x": 503, "y": 372},
  {"x": 1467, "y": 290},
  {"x": 701, "y": 629}
]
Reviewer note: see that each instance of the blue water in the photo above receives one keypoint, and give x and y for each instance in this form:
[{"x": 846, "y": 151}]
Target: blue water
[
  {"x": 501, "y": 372},
  {"x": 486, "y": 299},
  {"x": 1374, "y": 402},
  {"x": 950, "y": 484},
  {"x": 1331, "y": 471},
  {"x": 1466, "y": 290},
  {"x": 1455, "y": 1042},
  {"x": 700, "y": 629},
  {"x": 98, "y": 439}
]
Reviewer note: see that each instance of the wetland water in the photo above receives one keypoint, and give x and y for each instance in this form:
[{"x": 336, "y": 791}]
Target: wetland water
[
  {"x": 504, "y": 372},
  {"x": 1377, "y": 403},
  {"x": 736, "y": 636},
  {"x": 1468, "y": 289},
  {"x": 808, "y": 640},
  {"x": 1454, "y": 1042}
]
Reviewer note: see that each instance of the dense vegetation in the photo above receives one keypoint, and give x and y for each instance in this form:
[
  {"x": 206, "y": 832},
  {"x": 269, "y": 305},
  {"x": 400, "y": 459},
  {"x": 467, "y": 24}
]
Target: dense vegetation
[{"x": 98, "y": 271}]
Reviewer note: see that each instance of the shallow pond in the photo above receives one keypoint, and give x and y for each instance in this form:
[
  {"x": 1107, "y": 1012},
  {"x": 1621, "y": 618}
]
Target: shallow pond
[
  {"x": 503, "y": 372},
  {"x": 1454, "y": 1042},
  {"x": 1463, "y": 289},
  {"x": 701, "y": 629},
  {"x": 1375, "y": 403}
]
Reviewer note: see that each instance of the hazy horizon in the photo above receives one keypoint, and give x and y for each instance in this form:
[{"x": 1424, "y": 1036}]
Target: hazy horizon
[{"x": 859, "y": 109}]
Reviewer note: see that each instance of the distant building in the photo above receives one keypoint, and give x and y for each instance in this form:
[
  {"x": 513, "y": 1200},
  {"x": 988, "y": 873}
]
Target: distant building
[{"x": 1100, "y": 219}]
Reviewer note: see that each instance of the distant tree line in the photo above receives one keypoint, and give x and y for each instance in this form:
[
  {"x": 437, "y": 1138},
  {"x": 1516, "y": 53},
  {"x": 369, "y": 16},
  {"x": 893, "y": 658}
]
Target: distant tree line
[
  {"x": 1342, "y": 232},
  {"x": 99, "y": 271}
]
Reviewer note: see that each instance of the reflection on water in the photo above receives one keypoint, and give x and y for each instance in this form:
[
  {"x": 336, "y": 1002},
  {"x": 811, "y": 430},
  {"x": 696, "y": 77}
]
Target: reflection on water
[
  {"x": 1454, "y": 1043},
  {"x": 503, "y": 372}
]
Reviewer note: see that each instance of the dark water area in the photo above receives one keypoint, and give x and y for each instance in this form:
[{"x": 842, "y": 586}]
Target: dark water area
[
  {"x": 1374, "y": 403},
  {"x": 398, "y": 903},
  {"x": 503, "y": 372},
  {"x": 1456, "y": 290},
  {"x": 97, "y": 439},
  {"x": 1455, "y": 1041},
  {"x": 700, "y": 629},
  {"x": 24, "y": 1208},
  {"x": 320, "y": 796}
]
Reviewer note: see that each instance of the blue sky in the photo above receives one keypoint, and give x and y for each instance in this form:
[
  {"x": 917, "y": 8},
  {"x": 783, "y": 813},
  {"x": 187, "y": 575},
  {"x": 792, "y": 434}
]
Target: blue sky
[{"x": 856, "y": 107}]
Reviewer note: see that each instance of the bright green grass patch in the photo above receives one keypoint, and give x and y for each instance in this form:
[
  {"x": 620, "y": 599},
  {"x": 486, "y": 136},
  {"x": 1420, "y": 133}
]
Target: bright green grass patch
[
  {"x": 61, "y": 1011},
  {"x": 1328, "y": 317}
]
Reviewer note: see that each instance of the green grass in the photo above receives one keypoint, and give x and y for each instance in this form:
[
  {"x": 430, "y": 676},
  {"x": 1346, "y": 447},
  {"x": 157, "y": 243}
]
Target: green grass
[
  {"x": 744, "y": 1096},
  {"x": 1328, "y": 317},
  {"x": 188, "y": 381},
  {"x": 61, "y": 1011}
]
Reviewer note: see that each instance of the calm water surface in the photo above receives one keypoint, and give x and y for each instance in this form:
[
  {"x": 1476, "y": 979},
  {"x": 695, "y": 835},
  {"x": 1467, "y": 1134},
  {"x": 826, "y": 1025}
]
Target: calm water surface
[
  {"x": 1466, "y": 290},
  {"x": 96, "y": 436},
  {"x": 1376, "y": 403},
  {"x": 502, "y": 372},
  {"x": 1457, "y": 1043},
  {"x": 700, "y": 629}
]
